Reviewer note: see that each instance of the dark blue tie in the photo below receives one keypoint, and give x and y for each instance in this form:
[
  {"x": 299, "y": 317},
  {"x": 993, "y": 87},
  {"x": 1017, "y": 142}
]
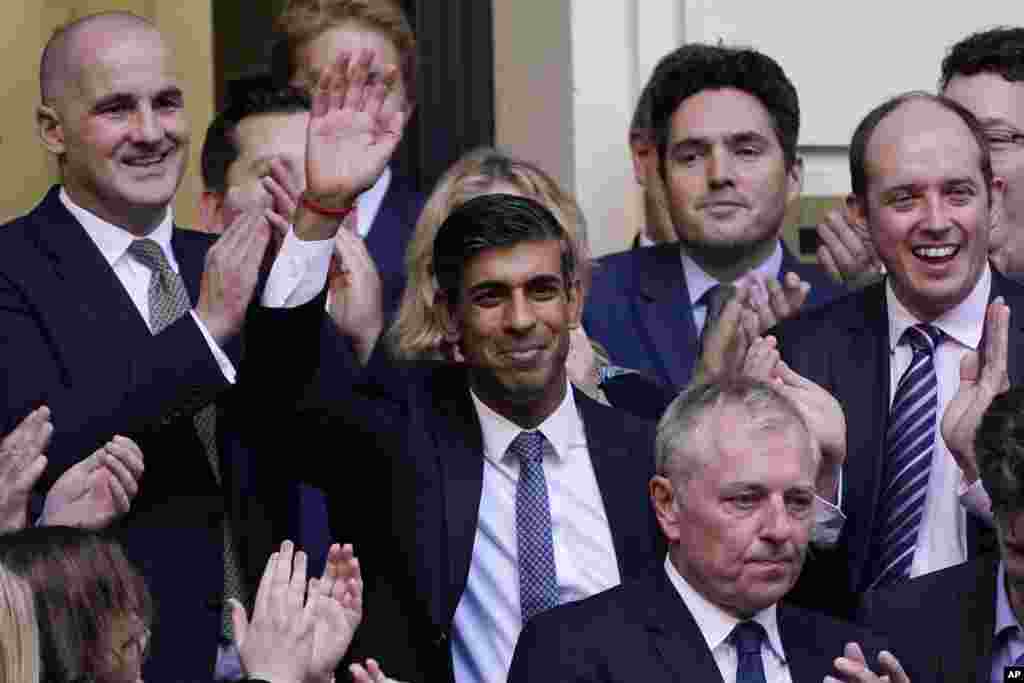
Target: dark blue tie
[
  {"x": 909, "y": 441},
  {"x": 538, "y": 582},
  {"x": 747, "y": 638}
]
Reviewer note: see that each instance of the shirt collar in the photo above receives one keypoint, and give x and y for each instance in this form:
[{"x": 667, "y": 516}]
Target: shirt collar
[
  {"x": 369, "y": 202},
  {"x": 113, "y": 241},
  {"x": 715, "y": 623},
  {"x": 698, "y": 281},
  {"x": 499, "y": 431},
  {"x": 965, "y": 322}
]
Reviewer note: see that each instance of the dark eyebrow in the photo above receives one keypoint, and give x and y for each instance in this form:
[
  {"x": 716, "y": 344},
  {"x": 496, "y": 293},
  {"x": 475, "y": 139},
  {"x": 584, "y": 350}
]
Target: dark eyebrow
[
  {"x": 122, "y": 99},
  {"x": 173, "y": 91}
]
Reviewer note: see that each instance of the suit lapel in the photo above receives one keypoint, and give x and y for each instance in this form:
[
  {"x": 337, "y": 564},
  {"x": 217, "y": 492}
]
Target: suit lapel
[
  {"x": 100, "y": 300},
  {"x": 806, "y": 662},
  {"x": 459, "y": 442},
  {"x": 866, "y": 403},
  {"x": 622, "y": 471},
  {"x": 664, "y": 312},
  {"x": 1011, "y": 292},
  {"x": 674, "y": 632}
]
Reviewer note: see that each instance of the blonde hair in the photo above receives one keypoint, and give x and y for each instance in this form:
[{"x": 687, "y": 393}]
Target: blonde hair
[
  {"x": 305, "y": 20},
  {"x": 19, "y": 632},
  {"x": 417, "y": 332}
]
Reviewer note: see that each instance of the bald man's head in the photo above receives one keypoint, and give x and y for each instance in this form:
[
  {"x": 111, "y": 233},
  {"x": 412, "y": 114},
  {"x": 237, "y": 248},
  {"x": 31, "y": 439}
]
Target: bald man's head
[
  {"x": 60, "y": 62},
  {"x": 113, "y": 114}
]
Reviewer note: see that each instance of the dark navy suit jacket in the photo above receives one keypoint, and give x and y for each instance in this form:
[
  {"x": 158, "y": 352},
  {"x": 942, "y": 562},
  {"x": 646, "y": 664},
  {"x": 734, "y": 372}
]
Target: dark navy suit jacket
[
  {"x": 643, "y": 631},
  {"x": 387, "y": 241},
  {"x": 946, "y": 619},
  {"x": 404, "y": 477},
  {"x": 639, "y": 308},
  {"x": 845, "y": 348},
  {"x": 71, "y": 338}
]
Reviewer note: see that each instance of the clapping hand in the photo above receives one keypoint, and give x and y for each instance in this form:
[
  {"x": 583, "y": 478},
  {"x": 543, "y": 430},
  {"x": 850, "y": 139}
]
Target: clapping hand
[
  {"x": 982, "y": 378},
  {"x": 21, "y": 464},
  {"x": 95, "y": 491}
]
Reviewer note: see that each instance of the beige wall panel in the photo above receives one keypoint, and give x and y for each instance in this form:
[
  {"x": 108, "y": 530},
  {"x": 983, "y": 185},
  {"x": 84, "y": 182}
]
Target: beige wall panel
[
  {"x": 25, "y": 25},
  {"x": 188, "y": 25}
]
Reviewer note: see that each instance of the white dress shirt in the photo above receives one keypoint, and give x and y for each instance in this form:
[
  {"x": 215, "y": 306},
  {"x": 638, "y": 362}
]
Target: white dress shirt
[
  {"x": 716, "y": 626},
  {"x": 368, "y": 203},
  {"x": 943, "y": 535},
  {"x": 698, "y": 281},
  {"x": 297, "y": 276},
  {"x": 487, "y": 620}
]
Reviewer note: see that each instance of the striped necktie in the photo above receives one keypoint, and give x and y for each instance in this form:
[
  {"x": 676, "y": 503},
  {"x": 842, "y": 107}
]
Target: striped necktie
[{"x": 909, "y": 442}]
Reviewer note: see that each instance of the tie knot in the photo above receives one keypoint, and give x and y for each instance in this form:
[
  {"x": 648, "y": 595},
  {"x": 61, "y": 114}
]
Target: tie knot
[
  {"x": 716, "y": 298},
  {"x": 747, "y": 637},
  {"x": 149, "y": 254},
  {"x": 528, "y": 447},
  {"x": 922, "y": 338}
]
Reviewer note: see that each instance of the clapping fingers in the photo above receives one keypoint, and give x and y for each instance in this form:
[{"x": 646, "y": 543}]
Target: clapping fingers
[
  {"x": 123, "y": 460},
  {"x": 784, "y": 301},
  {"x": 371, "y": 673},
  {"x": 762, "y": 359},
  {"x": 994, "y": 378},
  {"x": 21, "y": 452},
  {"x": 845, "y": 251}
]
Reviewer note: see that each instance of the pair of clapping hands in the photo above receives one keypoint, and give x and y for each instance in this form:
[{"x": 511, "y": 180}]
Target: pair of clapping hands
[
  {"x": 735, "y": 345},
  {"x": 91, "y": 493},
  {"x": 300, "y": 630}
]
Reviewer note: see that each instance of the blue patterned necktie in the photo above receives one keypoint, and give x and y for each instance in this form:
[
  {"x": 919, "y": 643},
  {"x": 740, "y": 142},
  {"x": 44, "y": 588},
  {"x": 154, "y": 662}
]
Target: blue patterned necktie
[
  {"x": 747, "y": 638},
  {"x": 909, "y": 442},
  {"x": 538, "y": 582}
]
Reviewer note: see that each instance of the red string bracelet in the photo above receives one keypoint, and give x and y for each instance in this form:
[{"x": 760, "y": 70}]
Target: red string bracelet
[{"x": 315, "y": 207}]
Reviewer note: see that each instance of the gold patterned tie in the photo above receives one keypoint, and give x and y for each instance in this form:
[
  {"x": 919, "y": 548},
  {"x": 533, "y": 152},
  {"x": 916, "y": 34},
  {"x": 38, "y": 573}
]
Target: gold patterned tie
[{"x": 168, "y": 301}]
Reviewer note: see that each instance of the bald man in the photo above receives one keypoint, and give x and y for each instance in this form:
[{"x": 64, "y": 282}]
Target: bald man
[{"x": 109, "y": 316}]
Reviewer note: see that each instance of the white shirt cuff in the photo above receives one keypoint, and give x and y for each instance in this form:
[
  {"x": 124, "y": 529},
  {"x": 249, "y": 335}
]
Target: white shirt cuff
[
  {"x": 225, "y": 364},
  {"x": 975, "y": 499},
  {"x": 299, "y": 272}
]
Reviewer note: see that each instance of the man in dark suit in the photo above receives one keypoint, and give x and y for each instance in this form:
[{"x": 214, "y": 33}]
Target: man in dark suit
[
  {"x": 475, "y": 533},
  {"x": 110, "y": 319},
  {"x": 254, "y": 156},
  {"x": 979, "y": 604},
  {"x": 923, "y": 184},
  {"x": 734, "y": 497},
  {"x": 725, "y": 123}
]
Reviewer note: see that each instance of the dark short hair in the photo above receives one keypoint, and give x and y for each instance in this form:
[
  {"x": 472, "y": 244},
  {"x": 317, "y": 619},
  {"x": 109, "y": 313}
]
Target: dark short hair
[
  {"x": 493, "y": 221},
  {"x": 999, "y": 447},
  {"x": 641, "y": 122},
  {"x": 249, "y": 96},
  {"x": 998, "y": 50},
  {"x": 696, "y": 67},
  {"x": 867, "y": 126},
  {"x": 82, "y": 584}
]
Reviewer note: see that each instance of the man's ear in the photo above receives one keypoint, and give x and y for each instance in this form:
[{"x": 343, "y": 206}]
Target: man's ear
[
  {"x": 997, "y": 192},
  {"x": 211, "y": 212},
  {"x": 795, "y": 181},
  {"x": 50, "y": 129},
  {"x": 444, "y": 308},
  {"x": 641, "y": 149},
  {"x": 666, "y": 508},
  {"x": 574, "y": 293},
  {"x": 858, "y": 211}
]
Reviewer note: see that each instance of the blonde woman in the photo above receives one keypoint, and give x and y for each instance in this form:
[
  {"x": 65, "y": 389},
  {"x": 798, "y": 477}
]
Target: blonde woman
[{"x": 19, "y": 634}]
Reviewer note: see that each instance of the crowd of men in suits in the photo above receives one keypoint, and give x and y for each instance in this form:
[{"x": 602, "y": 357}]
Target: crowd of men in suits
[{"x": 827, "y": 450}]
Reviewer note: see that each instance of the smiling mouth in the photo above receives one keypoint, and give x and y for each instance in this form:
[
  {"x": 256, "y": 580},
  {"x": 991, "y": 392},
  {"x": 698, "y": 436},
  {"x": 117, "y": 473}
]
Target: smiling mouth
[
  {"x": 936, "y": 254},
  {"x": 147, "y": 160}
]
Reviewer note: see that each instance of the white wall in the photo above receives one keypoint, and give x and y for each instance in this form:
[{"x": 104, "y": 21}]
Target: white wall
[{"x": 843, "y": 57}]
